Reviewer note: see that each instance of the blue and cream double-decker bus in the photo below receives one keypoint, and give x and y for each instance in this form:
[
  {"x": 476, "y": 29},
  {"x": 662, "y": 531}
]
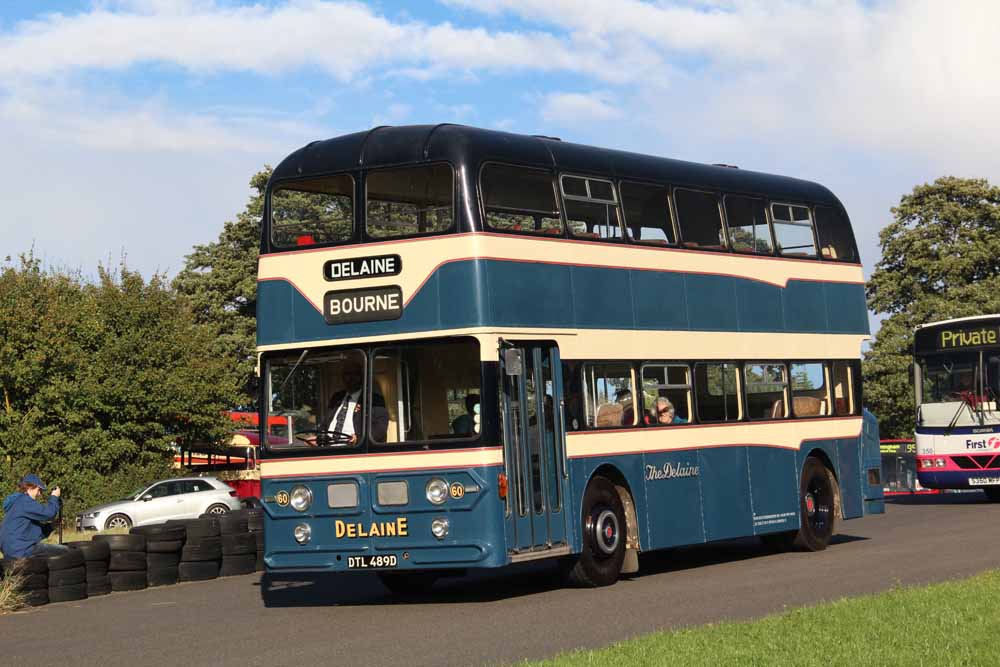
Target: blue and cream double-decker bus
[{"x": 495, "y": 348}]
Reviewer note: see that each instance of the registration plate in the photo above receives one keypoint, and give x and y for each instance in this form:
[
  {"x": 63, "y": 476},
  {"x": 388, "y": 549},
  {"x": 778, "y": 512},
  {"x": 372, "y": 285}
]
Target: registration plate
[
  {"x": 376, "y": 561},
  {"x": 984, "y": 481}
]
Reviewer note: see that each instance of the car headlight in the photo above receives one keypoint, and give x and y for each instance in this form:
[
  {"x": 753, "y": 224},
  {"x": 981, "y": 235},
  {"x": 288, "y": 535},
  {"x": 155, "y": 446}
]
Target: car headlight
[
  {"x": 90, "y": 515},
  {"x": 301, "y": 498},
  {"x": 437, "y": 491}
]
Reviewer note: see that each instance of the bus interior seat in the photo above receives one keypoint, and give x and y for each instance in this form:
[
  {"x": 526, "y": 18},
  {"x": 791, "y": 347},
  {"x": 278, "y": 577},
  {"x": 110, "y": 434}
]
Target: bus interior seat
[
  {"x": 807, "y": 406},
  {"x": 610, "y": 414},
  {"x": 778, "y": 409},
  {"x": 829, "y": 252}
]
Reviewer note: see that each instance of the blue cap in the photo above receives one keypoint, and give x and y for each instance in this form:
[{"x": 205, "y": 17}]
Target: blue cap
[{"x": 33, "y": 480}]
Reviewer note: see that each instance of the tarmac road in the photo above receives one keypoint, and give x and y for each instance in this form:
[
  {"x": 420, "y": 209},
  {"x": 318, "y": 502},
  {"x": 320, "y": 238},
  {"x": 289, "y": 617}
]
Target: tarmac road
[{"x": 501, "y": 616}]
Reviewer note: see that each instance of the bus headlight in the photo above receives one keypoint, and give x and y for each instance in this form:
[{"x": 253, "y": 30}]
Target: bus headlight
[
  {"x": 437, "y": 491},
  {"x": 439, "y": 528},
  {"x": 301, "y": 498},
  {"x": 303, "y": 533}
]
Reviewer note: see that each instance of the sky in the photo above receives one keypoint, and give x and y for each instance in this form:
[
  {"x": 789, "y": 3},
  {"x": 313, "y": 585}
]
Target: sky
[{"x": 131, "y": 128}]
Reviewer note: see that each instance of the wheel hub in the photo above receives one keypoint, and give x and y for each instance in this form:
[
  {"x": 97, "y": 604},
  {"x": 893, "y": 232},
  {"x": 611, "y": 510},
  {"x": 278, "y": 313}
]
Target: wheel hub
[{"x": 607, "y": 532}]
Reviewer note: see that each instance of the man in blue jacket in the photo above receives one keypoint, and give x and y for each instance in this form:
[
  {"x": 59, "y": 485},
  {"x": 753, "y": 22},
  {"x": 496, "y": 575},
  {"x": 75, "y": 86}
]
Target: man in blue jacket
[{"x": 22, "y": 531}]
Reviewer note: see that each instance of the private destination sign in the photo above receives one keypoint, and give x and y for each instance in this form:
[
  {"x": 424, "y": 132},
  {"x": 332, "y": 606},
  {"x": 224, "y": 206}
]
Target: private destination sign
[
  {"x": 357, "y": 268},
  {"x": 367, "y": 304}
]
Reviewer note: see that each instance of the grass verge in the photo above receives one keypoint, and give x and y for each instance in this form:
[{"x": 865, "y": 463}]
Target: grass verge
[
  {"x": 11, "y": 597},
  {"x": 941, "y": 624}
]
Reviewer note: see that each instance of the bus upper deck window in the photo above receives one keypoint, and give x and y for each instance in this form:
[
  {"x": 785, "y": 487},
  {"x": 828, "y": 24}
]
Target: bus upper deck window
[
  {"x": 835, "y": 238},
  {"x": 591, "y": 208},
  {"x": 793, "y": 230},
  {"x": 647, "y": 214},
  {"x": 409, "y": 201},
  {"x": 519, "y": 199},
  {"x": 699, "y": 220},
  {"x": 748, "y": 228},
  {"x": 313, "y": 211}
]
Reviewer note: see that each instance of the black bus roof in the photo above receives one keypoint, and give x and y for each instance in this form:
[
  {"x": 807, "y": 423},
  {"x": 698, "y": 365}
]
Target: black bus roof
[{"x": 467, "y": 147}]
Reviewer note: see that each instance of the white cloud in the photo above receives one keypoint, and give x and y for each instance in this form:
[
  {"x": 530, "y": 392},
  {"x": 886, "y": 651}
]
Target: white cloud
[{"x": 578, "y": 108}]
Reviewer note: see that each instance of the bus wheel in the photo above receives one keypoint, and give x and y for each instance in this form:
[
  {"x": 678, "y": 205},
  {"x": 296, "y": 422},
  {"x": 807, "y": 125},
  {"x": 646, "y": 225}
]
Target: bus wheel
[
  {"x": 604, "y": 533},
  {"x": 408, "y": 583},
  {"x": 817, "y": 506},
  {"x": 992, "y": 494}
]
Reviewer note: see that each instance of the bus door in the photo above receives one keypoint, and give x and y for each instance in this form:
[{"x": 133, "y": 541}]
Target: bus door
[{"x": 534, "y": 449}]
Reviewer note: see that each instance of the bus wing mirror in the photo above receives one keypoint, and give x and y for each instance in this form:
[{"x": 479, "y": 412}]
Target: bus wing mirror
[{"x": 513, "y": 362}]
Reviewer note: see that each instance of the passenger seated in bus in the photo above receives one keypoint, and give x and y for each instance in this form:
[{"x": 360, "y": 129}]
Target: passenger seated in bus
[
  {"x": 466, "y": 424},
  {"x": 663, "y": 413},
  {"x": 349, "y": 402}
]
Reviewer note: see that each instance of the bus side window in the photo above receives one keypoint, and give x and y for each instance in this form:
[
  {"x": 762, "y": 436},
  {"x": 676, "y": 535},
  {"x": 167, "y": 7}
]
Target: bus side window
[
  {"x": 313, "y": 211},
  {"x": 767, "y": 391},
  {"x": 717, "y": 392},
  {"x": 519, "y": 199},
  {"x": 608, "y": 395},
  {"x": 843, "y": 398},
  {"x": 591, "y": 208},
  {"x": 809, "y": 390},
  {"x": 699, "y": 220},
  {"x": 409, "y": 200},
  {"x": 748, "y": 228},
  {"x": 793, "y": 230},
  {"x": 647, "y": 214},
  {"x": 836, "y": 241},
  {"x": 666, "y": 381}
]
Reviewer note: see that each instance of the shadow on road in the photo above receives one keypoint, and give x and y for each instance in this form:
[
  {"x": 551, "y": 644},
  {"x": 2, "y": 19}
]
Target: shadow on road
[
  {"x": 339, "y": 589},
  {"x": 962, "y": 498}
]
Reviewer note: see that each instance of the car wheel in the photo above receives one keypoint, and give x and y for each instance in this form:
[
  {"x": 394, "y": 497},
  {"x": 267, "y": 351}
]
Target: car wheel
[
  {"x": 117, "y": 522},
  {"x": 217, "y": 509}
]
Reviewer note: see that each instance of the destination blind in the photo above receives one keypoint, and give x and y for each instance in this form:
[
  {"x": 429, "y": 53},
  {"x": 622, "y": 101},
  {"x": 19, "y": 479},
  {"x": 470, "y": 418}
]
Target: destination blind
[
  {"x": 357, "y": 268},
  {"x": 363, "y": 305}
]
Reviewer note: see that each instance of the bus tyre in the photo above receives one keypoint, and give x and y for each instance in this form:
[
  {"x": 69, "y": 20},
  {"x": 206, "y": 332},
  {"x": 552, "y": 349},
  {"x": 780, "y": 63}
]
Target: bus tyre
[
  {"x": 408, "y": 583},
  {"x": 817, "y": 507},
  {"x": 600, "y": 560},
  {"x": 992, "y": 494}
]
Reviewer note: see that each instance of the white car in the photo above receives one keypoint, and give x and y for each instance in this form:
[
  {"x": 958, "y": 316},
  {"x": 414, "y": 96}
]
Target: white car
[{"x": 179, "y": 498}]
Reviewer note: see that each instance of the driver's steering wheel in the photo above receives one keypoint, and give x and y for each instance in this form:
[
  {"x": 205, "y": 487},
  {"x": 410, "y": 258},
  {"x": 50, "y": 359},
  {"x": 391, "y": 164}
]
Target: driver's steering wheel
[{"x": 324, "y": 438}]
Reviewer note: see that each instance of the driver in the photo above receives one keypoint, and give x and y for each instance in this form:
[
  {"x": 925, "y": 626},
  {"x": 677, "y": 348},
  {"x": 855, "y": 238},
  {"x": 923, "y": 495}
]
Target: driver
[{"x": 346, "y": 407}]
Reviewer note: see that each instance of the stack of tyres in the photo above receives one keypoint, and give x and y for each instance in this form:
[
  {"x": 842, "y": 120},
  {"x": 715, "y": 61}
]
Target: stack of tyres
[
  {"x": 202, "y": 550},
  {"x": 239, "y": 546},
  {"x": 127, "y": 565},
  {"x": 163, "y": 552},
  {"x": 67, "y": 577},
  {"x": 255, "y": 522},
  {"x": 95, "y": 560},
  {"x": 34, "y": 577}
]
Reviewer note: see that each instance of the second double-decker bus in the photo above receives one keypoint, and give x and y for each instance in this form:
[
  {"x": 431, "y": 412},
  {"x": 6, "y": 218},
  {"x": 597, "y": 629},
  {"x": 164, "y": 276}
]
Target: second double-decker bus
[
  {"x": 494, "y": 348},
  {"x": 957, "y": 381}
]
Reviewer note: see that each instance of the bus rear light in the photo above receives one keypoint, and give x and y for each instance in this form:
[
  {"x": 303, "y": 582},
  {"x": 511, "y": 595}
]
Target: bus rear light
[{"x": 502, "y": 486}]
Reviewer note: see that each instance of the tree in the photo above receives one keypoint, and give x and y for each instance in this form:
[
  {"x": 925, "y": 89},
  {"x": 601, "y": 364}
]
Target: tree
[
  {"x": 100, "y": 380},
  {"x": 220, "y": 278},
  {"x": 940, "y": 259}
]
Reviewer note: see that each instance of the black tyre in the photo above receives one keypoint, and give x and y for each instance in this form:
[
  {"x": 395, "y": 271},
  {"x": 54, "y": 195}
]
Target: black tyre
[
  {"x": 71, "y": 559},
  {"x": 233, "y": 525},
  {"x": 201, "y": 528},
  {"x": 992, "y": 493},
  {"x": 128, "y": 581},
  {"x": 239, "y": 543},
  {"x": 123, "y": 542},
  {"x": 260, "y": 561},
  {"x": 37, "y": 598},
  {"x": 168, "y": 547},
  {"x": 604, "y": 534},
  {"x": 68, "y": 593},
  {"x": 198, "y": 571},
  {"x": 34, "y": 582},
  {"x": 117, "y": 522},
  {"x": 127, "y": 561},
  {"x": 162, "y": 576},
  {"x": 216, "y": 510},
  {"x": 92, "y": 551},
  {"x": 161, "y": 533},
  {"x": 24, "y": 566},
  {"x": 99, "y": 586},
  {"x": 96, "y": 569},
  {"x": 408, "y": 583},
  {"x": 236, "y": 565},
  {"x": 159, "y": 560},
  {"x": 817, "y": 507},
  {"x": 209, "y": 548},
  {"x": 74, "y": 575},
  {"x": 260, "y": 540}
]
